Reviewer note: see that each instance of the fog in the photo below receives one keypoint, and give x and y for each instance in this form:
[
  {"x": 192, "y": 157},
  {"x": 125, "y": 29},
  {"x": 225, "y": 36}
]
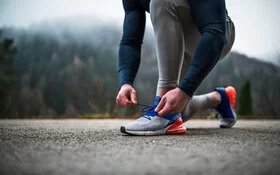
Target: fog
[{"x": 256, "y": 20}]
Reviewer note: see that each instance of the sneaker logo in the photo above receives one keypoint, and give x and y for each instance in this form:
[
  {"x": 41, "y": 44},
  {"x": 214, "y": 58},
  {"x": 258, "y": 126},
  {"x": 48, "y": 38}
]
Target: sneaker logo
[{"x": 148, "y": 117}]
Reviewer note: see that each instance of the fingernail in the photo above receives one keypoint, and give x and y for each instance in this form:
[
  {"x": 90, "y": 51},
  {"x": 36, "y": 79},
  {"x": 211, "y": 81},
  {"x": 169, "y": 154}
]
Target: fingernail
[{"x": 156, "y": 110}]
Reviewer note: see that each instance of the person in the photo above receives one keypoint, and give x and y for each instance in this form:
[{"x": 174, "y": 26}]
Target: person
[{"x": 191, "y": 36}]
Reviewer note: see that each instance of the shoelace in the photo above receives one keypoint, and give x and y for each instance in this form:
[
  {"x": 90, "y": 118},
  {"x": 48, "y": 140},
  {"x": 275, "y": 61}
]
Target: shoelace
[
  {"x": 146, "y": 108},
  {"x": 149, "y": 110}
]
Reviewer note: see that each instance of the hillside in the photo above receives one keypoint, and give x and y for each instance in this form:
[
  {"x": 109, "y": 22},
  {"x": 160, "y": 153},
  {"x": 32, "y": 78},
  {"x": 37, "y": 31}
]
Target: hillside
[
  {"x": 264, "y": 77},
  {"x": 71, "y": 70}
]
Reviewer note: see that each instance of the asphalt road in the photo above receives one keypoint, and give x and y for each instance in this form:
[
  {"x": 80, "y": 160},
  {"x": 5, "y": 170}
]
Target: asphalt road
[{"x": 97, "y": 147}]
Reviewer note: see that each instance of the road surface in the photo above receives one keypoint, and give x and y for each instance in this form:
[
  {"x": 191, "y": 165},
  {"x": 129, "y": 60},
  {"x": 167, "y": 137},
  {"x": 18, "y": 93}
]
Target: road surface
[{"x": 97, "y": 147}]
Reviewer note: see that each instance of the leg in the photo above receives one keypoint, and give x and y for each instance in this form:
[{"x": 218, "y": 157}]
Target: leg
[
  {"x": 192, "y": 37},
  {"x": 210, "y": 19},
  {"x": 169, "y": 43},
  {"x": 211, "y": 100},
  {"x": 200, "y": 103},
  {"x": 170, "y": 48},
  {"x": 176, "y": 31}
]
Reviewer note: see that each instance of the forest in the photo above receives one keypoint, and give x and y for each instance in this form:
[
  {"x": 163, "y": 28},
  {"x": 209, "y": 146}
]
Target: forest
[{"x": 64, "y": 69}]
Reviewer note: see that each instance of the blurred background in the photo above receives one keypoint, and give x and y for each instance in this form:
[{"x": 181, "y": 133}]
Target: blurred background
[{"x": 58, "y": 58}]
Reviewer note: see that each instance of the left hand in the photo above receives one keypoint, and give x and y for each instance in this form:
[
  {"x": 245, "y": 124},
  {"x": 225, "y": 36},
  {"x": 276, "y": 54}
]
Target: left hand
[{"x": 172, "y": 102}]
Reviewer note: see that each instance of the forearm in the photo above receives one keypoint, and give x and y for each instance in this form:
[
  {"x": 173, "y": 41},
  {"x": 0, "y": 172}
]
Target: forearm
[
  {"x": 205, "y": 58},
  {"x": 130, "y": 46},
  {"x": 211, "y": 23},
  {"x": 129, "y": 60}
]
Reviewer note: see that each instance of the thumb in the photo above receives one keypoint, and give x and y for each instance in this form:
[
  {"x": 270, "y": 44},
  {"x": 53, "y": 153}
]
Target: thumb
[
  {"x": 160, "y": 105},
  {"x": 133, "y": 97}
]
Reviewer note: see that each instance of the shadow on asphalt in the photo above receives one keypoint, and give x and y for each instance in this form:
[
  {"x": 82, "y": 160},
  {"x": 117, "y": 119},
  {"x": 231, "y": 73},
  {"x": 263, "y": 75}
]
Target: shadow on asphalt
[
  {"x": 208, "y": 132},
  {"x": 192, "y": 131}
]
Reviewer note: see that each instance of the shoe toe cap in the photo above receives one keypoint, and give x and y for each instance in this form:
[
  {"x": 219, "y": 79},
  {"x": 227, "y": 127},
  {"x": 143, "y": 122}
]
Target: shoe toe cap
[
  {"x": 122, "y": 129},
  {"x": 227, "y": 122}
]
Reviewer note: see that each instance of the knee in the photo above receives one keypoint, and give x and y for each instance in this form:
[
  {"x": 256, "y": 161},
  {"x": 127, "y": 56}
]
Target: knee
[
  {"x": 230, "y": 40},
  {"x": 155, "y": 4},
  {"x": 157, "y": 8}
]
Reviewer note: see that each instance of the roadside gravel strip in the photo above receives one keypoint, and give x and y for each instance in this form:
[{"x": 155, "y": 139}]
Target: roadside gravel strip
[{"x": 97, "y": 147}]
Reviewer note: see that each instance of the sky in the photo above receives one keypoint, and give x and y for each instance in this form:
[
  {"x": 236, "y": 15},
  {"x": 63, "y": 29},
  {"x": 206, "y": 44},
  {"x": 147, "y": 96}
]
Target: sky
[{"x": 256, "y": 21}]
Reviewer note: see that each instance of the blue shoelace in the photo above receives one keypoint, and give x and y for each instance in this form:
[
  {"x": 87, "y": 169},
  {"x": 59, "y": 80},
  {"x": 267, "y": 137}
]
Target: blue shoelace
[{"x": 149, "y": 111}]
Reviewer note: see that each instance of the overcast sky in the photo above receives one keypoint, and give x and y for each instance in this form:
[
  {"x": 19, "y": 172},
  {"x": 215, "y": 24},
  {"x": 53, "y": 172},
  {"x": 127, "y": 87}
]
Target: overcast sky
[{"x": 257, "y": 21}]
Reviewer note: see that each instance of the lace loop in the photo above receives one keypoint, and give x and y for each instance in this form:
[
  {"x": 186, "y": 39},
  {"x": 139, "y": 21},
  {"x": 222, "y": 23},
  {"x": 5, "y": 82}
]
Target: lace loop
[{"x": 146, "y": 108}]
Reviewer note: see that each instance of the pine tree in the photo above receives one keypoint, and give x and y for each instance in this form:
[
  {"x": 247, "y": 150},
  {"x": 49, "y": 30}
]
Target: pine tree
[
  {"x": 245, "y": 99},
  {"x": 7, "y": 77}
]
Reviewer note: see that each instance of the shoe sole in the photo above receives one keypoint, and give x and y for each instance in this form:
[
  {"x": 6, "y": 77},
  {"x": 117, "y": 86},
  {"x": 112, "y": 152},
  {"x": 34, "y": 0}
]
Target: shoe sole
[
  {"x": 175, "y": 129},
  {"x": 231, "y": 94},
  {"x": 228, "y": 126},
  {"x": 231, "y": 124}
]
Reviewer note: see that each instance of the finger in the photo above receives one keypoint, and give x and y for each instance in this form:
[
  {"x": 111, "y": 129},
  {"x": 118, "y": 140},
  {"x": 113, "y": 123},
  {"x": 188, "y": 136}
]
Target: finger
[
  {"x": 128, "y": 103},
  {"x": 121, "y": 104},
  {"x": 160, "y": 105},
  {"x": 166, "y": 110},
  {"x": 118, "y": 100},
  {"x": 133, "y": 97},
  {"x": 127, "y": 100},
  {"x": 122, "y": 100}
]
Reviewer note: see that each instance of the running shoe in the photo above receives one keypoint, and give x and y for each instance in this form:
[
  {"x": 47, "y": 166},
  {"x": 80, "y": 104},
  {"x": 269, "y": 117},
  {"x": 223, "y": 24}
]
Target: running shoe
[
  {"x": 226, "y": 108},
  {"x": 152, "y": 124}
]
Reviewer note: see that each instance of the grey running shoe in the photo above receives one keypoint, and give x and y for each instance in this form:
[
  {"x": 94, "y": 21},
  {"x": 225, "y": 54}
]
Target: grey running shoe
[{"x": 152, "y": 124}]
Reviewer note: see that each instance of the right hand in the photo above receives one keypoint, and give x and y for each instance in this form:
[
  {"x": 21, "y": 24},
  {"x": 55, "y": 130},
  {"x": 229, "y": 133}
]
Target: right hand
[{"x": 126, "y": 96}]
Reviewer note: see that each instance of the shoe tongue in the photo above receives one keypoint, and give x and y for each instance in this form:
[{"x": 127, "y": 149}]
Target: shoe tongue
[{"x": 156, "y": 101}]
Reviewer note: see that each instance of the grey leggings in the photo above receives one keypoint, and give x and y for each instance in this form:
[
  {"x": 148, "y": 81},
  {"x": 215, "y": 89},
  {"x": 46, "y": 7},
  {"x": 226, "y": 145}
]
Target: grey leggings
[{"x": 176, "y": 39}]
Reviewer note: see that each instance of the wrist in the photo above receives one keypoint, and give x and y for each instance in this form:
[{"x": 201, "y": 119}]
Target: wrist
[
  {"x": 183, "y": 93},
  {"x": 189, "y": 87},
  {"x": 126, "y": 86}
]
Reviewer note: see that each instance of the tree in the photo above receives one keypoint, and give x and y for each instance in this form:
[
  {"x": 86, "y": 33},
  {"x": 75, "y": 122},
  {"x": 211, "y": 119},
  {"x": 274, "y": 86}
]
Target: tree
[
  {"x": 245, "y": 99},
  {"x": 7, "y": 77}
]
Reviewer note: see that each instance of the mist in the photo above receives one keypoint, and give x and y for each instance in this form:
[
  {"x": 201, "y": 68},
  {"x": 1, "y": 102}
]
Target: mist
[
  {"x": 255, "y": 20},
  {"x": 67, "y": 51}
]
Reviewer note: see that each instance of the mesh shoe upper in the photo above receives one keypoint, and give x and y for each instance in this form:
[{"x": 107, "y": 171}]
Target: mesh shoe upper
[{"x": 151, "y": 121}]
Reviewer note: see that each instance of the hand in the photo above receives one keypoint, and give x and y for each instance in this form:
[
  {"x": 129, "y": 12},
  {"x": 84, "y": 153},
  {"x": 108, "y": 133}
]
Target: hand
[
  {"x": 126, "y": 96},
  {"x": 172, "y": 102}
]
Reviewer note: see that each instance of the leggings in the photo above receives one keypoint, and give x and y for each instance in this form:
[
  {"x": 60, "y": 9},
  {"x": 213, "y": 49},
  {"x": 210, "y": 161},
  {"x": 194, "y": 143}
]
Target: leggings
[{"x": 191, "y": 36}]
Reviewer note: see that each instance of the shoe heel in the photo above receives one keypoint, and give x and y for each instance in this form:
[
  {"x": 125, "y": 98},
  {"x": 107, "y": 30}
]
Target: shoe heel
[
  {"x": 177, "y": 127},
  {"x": 231, "y": 94}
]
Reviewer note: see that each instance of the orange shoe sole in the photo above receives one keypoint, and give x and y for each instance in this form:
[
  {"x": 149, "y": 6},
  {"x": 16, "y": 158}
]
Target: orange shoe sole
[{"x": 177, "y": 127}]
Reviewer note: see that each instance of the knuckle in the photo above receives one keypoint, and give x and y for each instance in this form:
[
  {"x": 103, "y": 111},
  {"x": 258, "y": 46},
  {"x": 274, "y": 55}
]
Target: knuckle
[
  {"x": 168, "y": 110},
  {"x": 168, "y": 107},
  {"x": 172, "y": 101}
]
